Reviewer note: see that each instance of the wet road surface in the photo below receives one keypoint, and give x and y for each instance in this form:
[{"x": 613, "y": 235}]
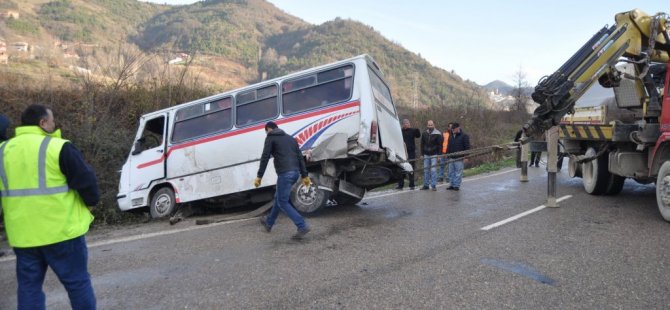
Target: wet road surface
[{"x": 410, "y": 249}]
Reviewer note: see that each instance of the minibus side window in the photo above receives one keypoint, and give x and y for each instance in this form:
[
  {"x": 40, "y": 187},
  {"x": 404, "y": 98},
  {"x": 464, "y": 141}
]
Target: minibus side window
[
  {"x": 317, "y": 90},
  {"x": 257, "y": 105},
  {"x": 215, "y": 116},
  {"x": 152, "y": 135},
  {"x": 381, "y": 92}
]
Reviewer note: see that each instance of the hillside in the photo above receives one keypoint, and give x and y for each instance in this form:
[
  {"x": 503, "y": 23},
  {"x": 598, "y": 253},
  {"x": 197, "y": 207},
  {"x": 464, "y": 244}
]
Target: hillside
[
  {"x": 100, "y": 22},
  {"x": 499, "y": 86},
  {"x": 234, "y": 29},
  {"x": 225, "y": 43}
]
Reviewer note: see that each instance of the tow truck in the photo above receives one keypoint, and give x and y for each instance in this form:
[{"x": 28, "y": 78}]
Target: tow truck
[{"x": 631, "y": 138}]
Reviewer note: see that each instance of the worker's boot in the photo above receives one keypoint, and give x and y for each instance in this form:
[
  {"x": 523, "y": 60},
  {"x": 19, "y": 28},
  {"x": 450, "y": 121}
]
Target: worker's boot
[
  {"x": 301, "y": 233},
  {"x": 264, "y": 221}
]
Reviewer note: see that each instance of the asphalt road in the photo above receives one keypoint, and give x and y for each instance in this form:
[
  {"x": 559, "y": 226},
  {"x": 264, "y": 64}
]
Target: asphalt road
[{"x": 409, "y": 249}]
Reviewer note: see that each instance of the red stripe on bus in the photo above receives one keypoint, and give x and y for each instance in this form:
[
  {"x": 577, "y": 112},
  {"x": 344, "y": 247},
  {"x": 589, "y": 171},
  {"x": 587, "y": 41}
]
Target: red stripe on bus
[
  {"x": 151, "y": 163},
  {"x": 249, "y": 129}
]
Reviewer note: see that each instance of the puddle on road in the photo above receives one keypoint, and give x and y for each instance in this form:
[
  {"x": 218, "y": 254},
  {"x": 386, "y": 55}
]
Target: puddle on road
[
  {"x": 506, "y": 185},
  {"x": 520, "y": 269},
  {"x": 393, "y": 213}
]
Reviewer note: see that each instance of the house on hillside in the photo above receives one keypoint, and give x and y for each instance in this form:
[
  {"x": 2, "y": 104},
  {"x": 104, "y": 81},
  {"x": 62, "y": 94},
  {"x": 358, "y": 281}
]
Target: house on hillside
[
  {"x": 176, "y": 60},
  {"x": 80, "y": 70},
  {"x": 20, "y": 47},
  {"x": 70, "y": 55},
  {"x": 5, "y": 14}
]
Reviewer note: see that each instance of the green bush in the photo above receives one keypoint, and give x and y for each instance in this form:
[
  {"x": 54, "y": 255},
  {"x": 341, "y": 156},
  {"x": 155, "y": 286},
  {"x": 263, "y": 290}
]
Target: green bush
[{"x": 23, "y": 26}]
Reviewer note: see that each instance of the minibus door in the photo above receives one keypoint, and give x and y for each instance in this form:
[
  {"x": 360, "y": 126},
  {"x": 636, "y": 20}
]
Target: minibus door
[
  {"x": 390, "y": 133},
  {"x": 389, "y": 126},
  {"x": 147, "y": 159}
]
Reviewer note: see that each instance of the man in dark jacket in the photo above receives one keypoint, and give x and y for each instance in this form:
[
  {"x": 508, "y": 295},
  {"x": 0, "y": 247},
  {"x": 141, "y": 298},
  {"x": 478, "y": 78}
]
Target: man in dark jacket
[
  {"x": 431, "y": 147},
  {"x": 409, "y": 134},
  {"x": 289, "y": 164},
  {"x": 458, "y": 142},
  {"x": 517, "y": 138},
  {"x": 4, "y": 125}
]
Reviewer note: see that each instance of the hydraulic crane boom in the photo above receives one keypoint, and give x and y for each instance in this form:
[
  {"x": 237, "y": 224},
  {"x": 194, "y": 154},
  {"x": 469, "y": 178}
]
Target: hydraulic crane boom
[{"x": 636, "y": 37}]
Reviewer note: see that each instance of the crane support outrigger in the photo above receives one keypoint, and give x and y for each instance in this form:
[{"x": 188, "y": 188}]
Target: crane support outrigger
[{"x": 633, "y": 58}]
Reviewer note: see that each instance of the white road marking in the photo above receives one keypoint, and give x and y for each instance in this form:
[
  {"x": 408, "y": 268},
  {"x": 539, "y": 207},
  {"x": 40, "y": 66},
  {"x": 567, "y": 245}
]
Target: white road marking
[
  {"x": 520, "y": 215},
  {"x": 142, "y": 236}
]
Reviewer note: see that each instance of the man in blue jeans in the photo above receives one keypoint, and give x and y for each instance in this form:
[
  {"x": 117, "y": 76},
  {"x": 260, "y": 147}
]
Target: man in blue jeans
[
  {"x": 46, "y": 187},
  {"x": 458, "y": 142},
  {"x": 289, "y": 165},
  {"x": 431, "y": 147}
]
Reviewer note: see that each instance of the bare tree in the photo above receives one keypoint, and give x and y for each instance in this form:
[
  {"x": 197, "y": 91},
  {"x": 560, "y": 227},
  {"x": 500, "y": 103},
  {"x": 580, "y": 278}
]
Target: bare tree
[{"x": 521, "y": 98}]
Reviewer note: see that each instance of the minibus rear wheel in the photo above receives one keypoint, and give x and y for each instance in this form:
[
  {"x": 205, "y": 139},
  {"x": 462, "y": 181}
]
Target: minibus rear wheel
[
  {"x": 309, "y": 200},
  {"x": 163, "y": 203}
]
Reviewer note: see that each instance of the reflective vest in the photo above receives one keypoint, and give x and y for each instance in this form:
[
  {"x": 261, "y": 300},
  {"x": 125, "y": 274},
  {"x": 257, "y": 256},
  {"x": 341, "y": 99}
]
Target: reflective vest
[{"x": 39, "y": 208}]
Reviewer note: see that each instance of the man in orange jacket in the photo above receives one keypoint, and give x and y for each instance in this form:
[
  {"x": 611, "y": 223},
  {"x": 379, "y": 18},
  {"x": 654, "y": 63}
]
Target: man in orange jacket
[{"x": 443, "y": 159}]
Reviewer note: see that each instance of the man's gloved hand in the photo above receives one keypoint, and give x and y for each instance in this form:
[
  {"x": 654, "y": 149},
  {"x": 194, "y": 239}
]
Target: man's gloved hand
[
  {"x": 257, "y": 182},
  {"x": 306, "y": 181}
]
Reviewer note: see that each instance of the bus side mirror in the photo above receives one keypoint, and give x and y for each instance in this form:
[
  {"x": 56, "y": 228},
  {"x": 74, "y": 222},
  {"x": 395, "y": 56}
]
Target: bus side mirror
[{"x": 137, "y": 148}]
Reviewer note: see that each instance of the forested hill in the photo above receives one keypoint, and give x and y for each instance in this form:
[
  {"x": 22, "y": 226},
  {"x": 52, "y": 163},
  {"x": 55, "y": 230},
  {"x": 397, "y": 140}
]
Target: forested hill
[{"x": 231, "y": 43}]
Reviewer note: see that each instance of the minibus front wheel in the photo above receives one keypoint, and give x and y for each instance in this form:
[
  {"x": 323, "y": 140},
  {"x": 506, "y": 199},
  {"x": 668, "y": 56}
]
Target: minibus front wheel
[
  {"x": 163, "y": 203},
  {"x": 309, "y": 199}
]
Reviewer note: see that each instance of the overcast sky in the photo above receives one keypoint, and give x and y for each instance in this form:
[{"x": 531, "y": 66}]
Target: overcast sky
[{"x": 481, "y": 40}]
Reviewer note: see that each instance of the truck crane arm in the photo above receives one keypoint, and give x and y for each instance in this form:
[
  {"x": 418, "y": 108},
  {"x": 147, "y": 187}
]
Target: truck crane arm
[{"x": 636, "y": 37}]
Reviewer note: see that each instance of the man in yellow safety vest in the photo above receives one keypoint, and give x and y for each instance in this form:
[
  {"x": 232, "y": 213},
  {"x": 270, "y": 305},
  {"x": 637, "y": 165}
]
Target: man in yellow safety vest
[{"x": 46, "y": 187}]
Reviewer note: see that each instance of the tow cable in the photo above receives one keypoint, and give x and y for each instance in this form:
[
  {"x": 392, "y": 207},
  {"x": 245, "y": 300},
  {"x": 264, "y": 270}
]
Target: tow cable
[{"x": 179, "y": 216}]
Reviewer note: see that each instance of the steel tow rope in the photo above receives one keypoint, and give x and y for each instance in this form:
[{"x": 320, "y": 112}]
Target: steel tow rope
[{"x": 467, "y": 154}]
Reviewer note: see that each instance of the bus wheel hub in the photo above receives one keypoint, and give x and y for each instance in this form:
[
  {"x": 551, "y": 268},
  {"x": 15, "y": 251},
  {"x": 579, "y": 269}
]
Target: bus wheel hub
[{"x": 306, "y": 195}]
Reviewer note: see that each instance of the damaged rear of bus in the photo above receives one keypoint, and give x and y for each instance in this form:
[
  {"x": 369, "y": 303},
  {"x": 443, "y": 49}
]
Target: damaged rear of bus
[{"x": 342, "y": 115}]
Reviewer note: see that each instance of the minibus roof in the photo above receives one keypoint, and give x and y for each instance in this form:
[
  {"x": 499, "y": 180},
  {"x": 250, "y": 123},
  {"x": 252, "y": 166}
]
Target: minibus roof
[{"x": 366, "y": 57}]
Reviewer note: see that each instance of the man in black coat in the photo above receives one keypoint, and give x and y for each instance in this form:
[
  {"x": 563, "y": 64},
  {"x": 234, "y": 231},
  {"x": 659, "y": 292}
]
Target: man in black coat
[
  {"x": 458, "y": 142},
  {"x": 517, "y": 138},
  {"x": 409, "y": 134},
  {"x": 289, "y": 165},
  {"x": 4, "y": 125}
]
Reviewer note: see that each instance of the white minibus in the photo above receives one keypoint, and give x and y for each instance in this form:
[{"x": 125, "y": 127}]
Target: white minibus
[{"x": 208, "y": 150}]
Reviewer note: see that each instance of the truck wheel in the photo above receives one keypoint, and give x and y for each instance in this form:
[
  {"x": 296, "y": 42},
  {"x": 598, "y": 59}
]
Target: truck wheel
[
  {"x": 163, "y": 203},
  {"x": 663, "y": 190},
  {"x": 344, "y": 199},
  {"x": 309, "y": 200},
  {"x": 595, "y": 175}
]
